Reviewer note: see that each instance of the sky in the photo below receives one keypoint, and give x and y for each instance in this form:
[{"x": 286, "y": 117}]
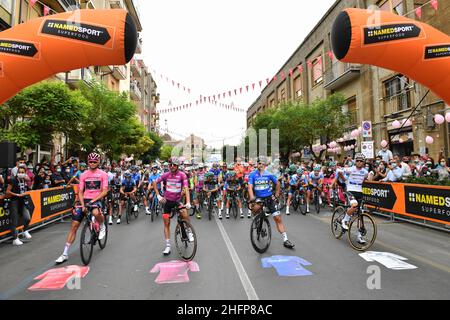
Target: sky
[{"x": 213, "y": 46}]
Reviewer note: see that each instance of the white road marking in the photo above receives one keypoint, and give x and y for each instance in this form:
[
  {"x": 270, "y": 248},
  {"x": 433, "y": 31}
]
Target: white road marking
[{"x": 245, "y": 280}]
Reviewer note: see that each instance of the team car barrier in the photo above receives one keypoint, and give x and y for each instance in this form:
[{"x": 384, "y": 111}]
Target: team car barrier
[
  {"x": 46, "y": 205},
  {"x": 390, "y": 41},
  {"x": 63, "y": 42},
  {"x": 417, "y": 203}
]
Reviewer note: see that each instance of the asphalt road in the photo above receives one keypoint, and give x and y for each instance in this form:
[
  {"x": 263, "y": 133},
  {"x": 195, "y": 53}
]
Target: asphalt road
[{"x": 229, "y": 268}]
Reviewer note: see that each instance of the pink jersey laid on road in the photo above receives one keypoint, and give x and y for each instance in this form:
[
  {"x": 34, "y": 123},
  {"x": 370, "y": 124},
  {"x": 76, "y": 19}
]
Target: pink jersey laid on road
[
  {"x": 92, "y": 183},
  {"x": 174, "y": 185},
  {"x": 174, "y": 271}
]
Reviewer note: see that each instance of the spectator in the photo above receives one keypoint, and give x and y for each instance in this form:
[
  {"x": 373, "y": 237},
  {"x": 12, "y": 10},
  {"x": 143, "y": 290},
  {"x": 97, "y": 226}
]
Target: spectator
[
  {"x": 379, "y": 172},
  {"x": 442, "y": 170},
  {"x": 57, "y": 179},
  {"x": 20, "y": 161},
  {"x": 2, "y": 183},
  {"x": 17, "y": 189},
  {"x": 413, "y": 167},
  {"x": 425, "y": 171},
  {"x": 76, "y": 178},
  {"x": 405, "y": 167},
  {"x": 30, "y": 175},
  {"x": 394, "y": 173},
  {"x": 42, "y": 180},
  {"x": 66, "y": 174},
  {"x": 385, "y": 153}
]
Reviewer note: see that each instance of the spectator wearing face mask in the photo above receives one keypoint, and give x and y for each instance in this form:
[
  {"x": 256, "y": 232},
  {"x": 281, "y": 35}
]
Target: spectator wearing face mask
[
  {"x": 17, "y": 189},
  {"x": 426, "y": 170},
  {"x": 30, "y": 175},
  {"x": 404, "y": 165},
  {"x": 2, "y": 183},
  {"x": 57, "y": 178},
  {"x": 385, "y": 154},
  {"x": 413, "y": 167},
  {"x": 379, "y": 171},
  {"x": 442, "y": 170},
  {"x": 19, "y": 162},
  {"x": 395, "y": 172},
  {"x": 76, "y": 178},
  {"x": 66, "y": 174}
]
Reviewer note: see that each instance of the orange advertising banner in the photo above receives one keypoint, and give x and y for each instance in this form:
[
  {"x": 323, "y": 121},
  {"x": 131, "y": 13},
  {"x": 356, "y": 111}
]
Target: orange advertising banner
[
  {"x": 417, "y": 201},
  {"x": 44, "y": 205}
]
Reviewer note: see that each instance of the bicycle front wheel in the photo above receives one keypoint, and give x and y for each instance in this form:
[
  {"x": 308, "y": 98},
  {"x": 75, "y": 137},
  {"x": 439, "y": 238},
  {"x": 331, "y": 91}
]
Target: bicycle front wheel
[
  {"x": 336, "y": 222},
  {"x": 129, "y": 212},
  {"x": 260, "y": 233},
  {"x": 317, "y": 203},
  {"x": 186, "y": 249},
  {"x": 86, "y": 244},
  {"x": 102, "y": 243},
  {"x": 362, "y": 232}
]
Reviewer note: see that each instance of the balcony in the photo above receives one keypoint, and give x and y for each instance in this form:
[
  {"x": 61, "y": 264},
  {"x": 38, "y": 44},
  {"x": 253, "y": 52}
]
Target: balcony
[
  {"x": 340, "y": 74},
  {"x": 139, "y": 46},
  {"x": 135, "y": 92},
  {"x": 106, "y": 69},
  {"x": 74, "y": 77},
  {"x": 135, "y": 68},
  {"x": 116, "y": 4},
  {"x": 120, "y": 72}
]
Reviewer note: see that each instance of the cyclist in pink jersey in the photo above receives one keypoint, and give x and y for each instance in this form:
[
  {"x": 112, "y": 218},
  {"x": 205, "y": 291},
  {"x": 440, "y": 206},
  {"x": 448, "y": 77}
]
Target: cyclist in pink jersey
[
  {"x": 176, "y": 183},
  {"x": 93, "y": 187}
]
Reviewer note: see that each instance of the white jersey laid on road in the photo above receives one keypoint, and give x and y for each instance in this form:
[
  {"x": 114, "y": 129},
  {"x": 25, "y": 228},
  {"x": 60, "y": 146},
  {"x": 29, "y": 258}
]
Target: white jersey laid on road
[{"x": 356, "y": 178}]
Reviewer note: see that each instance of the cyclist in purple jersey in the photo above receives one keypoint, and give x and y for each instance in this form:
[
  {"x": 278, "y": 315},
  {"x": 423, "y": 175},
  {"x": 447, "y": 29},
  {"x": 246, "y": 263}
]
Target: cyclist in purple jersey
[{"x": 176, "y": 183}]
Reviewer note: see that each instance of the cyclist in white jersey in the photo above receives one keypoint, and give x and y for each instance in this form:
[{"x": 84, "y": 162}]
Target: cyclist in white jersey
[{"x": 356, "y": 176}]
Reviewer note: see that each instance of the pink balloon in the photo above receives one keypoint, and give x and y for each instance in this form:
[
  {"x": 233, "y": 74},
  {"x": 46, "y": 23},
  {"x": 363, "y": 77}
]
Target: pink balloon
[
  {"x": 333, "y": 144},
  {"x": 447, "y": 117},
  {"x": 439, "y": 119},
  {"x": 429, "y": 140},
  {"x": 384, "y": 144},
  {"x": 324, "y": 147},
  {"x": 400, "y": 140},
  {"x": 352, "y": 146},
  {"x": 355, "y": 133},
  {"x": 396, "y": 124},
  {"x": 407, "y": 123}
]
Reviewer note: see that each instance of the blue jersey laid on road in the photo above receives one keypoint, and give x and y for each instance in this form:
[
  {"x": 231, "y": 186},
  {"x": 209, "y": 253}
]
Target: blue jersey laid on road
[
  {"x": 128, "y": 186},
  {"x": 287, "y": 266},
  {"x": 154, "y": 177},
  {"x": 315, "y": 179},
  {"x": 261, "y": 183}
]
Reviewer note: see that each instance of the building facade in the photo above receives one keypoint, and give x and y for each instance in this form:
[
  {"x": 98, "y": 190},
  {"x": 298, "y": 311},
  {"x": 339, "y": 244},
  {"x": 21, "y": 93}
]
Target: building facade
[
  {"x": 132, "y": 78},
  {"x": 372, "y": 94}
]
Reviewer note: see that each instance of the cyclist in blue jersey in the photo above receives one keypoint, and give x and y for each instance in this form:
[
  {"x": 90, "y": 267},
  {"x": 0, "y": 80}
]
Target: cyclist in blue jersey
[
  {"x": 154, "y": 175},
  {"x": 315, "y": 182},
  {"x": 259, "y": 187},
  {"x": 128, "y": 189}
]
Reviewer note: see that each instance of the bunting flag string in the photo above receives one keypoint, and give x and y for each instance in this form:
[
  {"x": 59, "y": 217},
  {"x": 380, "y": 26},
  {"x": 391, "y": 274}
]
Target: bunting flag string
[
  {"x": 310, "y": 65},
  {"x": 190, "y": 105}
]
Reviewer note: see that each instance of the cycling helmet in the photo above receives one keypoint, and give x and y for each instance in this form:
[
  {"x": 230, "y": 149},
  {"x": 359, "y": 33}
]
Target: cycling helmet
[
  {"x": 230, "y": 167},
  {"x": 195, "y": 168},
  {"x": 215, "y": 165},
  {"x": 175, "y": 161},
  {"x": 93, "y": 157},
  {"x": 117, "y": 170},
  {"x": 232, "y": 174},
  {"x": 209, "y": 175},
  {"x": 82, "y": 164},
  {"x": 292, "y": 168},
  {"x": 165, "y": 164},
  {"x": 360, "y": 156},
  {"x": 155, "y": 166},
  {"x": 246, "y": 164},
  {"x": 317, "y": 168},
  {"x": 186, "y": 162},
  {"x": 127, "y": 175},
  {"x": 300, "y": 171},
  {"x": 201, "y": 165},
  {"x": 262, "y": 160}
]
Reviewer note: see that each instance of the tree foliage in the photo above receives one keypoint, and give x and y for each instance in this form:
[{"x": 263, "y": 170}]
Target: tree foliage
[{"x": 301, "y": 125}]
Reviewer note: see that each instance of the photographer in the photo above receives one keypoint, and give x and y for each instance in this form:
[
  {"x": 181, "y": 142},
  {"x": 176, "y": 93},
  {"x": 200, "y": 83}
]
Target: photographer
[
  {"x": 395, "y": 172},
  {"x": 19, "y": 204},
  {"x": 57, "y": 178},
  {"x": 42, "y": 180},
  {"x": 379, "y": 171}
]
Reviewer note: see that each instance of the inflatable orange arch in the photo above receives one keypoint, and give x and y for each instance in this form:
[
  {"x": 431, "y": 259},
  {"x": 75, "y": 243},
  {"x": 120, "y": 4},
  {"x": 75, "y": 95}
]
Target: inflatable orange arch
[
  {"x": 386, "y": 40},
  {"x": 34, "y": 51}
]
